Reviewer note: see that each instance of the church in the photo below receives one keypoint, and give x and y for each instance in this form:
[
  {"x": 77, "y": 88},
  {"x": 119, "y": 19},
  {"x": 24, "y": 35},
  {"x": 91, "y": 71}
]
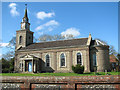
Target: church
[{"x": 58, "y": 56}]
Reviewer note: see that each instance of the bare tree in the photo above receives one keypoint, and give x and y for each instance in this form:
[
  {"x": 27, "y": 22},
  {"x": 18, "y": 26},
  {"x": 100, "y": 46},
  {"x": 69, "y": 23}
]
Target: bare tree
[
  {"x": 47, "y": 37},
  {"x": 9, "y": 55},
  {"x": 111, "y": 48},
  {"x": 58, "y": 37},
  {"x": 34, "y": 39},
  {"x": 69, "y": 36},
  {"x": 12, "y": 43}
]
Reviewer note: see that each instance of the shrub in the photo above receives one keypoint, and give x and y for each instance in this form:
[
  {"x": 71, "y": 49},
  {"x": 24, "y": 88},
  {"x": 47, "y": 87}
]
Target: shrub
[{"x": 78, "y": 69}]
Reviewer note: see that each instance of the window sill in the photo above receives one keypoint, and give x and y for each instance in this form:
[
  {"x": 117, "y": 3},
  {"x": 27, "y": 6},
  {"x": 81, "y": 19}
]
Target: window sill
[{"x": 63, "y": 66}]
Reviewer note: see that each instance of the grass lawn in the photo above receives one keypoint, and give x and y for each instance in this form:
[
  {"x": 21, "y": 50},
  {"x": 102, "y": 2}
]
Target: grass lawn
[{"x": 58, "y": 74}]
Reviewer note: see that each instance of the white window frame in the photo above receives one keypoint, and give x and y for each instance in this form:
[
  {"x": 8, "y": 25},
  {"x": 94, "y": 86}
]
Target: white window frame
[
  {"x": 81, "y": 57},
  {"x": 60, "y": 59}
]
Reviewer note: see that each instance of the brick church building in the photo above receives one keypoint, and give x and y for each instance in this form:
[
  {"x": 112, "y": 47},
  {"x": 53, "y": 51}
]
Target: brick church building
[{"x": 58, "y": 56}]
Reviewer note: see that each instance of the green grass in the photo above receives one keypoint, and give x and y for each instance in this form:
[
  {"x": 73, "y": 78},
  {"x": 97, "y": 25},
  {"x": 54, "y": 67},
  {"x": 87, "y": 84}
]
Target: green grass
[{"x": 58, "y": 74}]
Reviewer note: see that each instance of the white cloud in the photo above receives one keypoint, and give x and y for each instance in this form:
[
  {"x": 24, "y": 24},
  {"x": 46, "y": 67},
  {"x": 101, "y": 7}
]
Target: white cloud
[
  {"x": 49, "y": 25},
  {"x": 42, "y": 15},
  {"x": 4, "y": 44},
  {"x": 13, "y": 10},
  {"x": 71, "y": 31},
  {"x": 39, "y": 27}
]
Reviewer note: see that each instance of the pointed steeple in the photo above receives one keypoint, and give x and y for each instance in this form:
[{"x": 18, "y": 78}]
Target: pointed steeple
[
  {"x": 26, "y": 11},
  {"x": 25, "y": 18},
  {"x": 25, "y": 25}
]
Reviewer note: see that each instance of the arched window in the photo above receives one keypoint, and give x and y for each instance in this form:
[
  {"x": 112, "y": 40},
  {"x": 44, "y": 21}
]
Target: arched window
[
  {"x": 62, "y": 60},
  {"x": 79, "y": 59},
  {"x": 94, "y": 59},
  {"x": 20, "y": 40},
  {"x": 47, "y": 60}
]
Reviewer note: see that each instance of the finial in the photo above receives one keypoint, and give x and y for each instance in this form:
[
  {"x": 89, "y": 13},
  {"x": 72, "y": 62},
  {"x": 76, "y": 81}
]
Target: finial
[
  {"x": 26, "y": 5},
  {"x": 25, "y": 11}
]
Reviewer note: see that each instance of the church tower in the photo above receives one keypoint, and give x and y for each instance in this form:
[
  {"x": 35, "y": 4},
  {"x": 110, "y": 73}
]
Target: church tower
[{"x": 24, "y": 36}]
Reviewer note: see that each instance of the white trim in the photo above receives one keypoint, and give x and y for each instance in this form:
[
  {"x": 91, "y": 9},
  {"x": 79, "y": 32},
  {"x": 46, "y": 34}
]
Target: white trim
[
  {"x": 60, "y": 60},
  {"x": 81, "y": 57},
  {"x": 99, "y": 42}
]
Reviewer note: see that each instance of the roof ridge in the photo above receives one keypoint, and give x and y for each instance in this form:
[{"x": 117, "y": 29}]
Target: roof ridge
[{"x": 60, "y": 40}]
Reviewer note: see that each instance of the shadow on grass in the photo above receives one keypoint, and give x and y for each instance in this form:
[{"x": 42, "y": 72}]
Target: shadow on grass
[
  {"x": 86, "y": 73},
  {"x": 98, "y": 74},
  {"x": 93, "y": 73}
]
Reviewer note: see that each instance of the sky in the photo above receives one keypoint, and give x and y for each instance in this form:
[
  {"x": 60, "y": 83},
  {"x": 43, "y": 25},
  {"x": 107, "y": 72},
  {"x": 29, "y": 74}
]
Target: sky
[{"x": 77, "y": 18}]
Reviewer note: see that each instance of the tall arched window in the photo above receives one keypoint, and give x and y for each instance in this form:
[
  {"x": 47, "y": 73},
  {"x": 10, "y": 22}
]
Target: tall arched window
[
  {"x": 62, "y": 60},
  {"x": 20, "y": 40},
  {"x": 79, "y": 59},
  {"x": 94, "y": 60},
  {"x": 47, "y": 60}
]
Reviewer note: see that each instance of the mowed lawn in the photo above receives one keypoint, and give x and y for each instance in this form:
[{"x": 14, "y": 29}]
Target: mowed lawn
[{"x": 58, "y": 74}]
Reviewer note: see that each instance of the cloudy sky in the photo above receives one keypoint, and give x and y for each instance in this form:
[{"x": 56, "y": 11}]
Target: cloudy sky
[{"x": 98, "y": 18}]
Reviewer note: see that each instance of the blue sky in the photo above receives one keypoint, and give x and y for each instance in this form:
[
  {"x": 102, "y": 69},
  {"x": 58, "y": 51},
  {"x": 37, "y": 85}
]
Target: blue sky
[{"x": 77, "y": 18}]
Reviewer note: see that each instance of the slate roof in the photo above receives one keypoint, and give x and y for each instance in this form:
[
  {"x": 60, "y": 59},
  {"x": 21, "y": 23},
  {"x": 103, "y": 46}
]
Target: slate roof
[{"x": 59, "y": 43}]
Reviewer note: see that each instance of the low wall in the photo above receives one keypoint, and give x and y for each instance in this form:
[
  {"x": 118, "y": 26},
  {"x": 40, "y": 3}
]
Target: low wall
[{"x": 111, "y": 82}]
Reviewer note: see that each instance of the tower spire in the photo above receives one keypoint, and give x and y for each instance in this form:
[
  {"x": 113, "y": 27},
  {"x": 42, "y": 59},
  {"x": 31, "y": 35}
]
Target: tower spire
[
  {"x": 25, "y": 11},
  {"x": 25, "y": 18},
  {"x": 25, "y": 25}
]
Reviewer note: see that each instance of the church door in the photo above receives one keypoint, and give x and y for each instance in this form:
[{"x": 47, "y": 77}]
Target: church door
[{"x": 30, "y": 66}]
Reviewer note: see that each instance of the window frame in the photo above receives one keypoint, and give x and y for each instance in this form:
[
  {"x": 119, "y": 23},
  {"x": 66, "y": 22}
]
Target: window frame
[
  {"x": 20, "y": 40},
  {"x": 81, "y": 58},
  {"x": 64, "y": 59},
  {"x": 46, "y": 60},
  {"x": 95, "y": 59}
]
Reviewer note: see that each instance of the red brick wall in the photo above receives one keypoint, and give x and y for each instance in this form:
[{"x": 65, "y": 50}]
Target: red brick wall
[{"x": 64, "y": 82}]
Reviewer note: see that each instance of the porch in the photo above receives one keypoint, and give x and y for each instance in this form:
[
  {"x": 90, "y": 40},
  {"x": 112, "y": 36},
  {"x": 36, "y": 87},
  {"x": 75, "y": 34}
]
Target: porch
[{"x": 29, "y": 64}]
